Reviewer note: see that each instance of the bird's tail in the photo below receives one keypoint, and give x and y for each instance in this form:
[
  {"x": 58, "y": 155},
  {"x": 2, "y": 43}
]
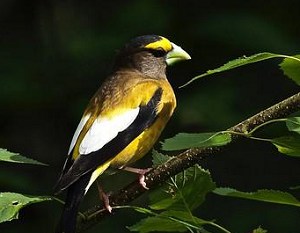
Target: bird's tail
[{"x": 75, "y": 193}]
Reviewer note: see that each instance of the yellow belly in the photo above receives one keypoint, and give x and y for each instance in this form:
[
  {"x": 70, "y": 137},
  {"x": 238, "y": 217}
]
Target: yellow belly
[
  {"x": 134, "y": 151},
  {"x": 145, "y": 141},
  {"x": 140, "y": 146}
]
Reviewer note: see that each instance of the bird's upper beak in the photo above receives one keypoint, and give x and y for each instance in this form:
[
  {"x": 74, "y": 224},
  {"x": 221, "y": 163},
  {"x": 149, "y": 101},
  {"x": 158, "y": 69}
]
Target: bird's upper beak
[{"x": 176, "y": 54}]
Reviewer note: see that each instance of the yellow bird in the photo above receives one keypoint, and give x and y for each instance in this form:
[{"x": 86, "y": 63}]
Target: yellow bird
[{"x": 122, "y": 121}]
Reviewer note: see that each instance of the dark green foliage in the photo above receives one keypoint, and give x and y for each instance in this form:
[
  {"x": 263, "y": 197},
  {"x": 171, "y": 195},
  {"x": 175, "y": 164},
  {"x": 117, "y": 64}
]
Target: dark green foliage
[
  {"x": 187, "y": 140},
  {"x": 171, "y": 206},
  {"x": 55, "y": 54},
  {"x": 272, "y": 196},
  {"x": 12, "y": 203},
  {"x": 11, "y": 157}
]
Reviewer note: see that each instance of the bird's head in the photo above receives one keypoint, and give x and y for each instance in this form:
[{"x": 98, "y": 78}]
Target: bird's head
[{"x": 150, "y": 54}]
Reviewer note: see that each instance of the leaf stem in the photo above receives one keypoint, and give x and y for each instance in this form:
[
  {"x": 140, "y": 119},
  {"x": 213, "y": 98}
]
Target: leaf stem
[
  {"x": 219, "y": 227},
  {"x": 267, "y": 123},
  {"x": 290, "y": 57}
]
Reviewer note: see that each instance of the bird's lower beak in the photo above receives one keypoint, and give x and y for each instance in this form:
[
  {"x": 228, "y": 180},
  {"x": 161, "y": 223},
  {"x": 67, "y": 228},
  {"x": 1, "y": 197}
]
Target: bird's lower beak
[{"x": 176, "y": 54}]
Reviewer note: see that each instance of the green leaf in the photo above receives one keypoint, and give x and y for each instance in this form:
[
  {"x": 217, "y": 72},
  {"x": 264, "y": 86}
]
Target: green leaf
[
  {"x": 237, "y": 63},
  {"x": 289, "y": 145},
  {"x": 185, "y": 217},
  {"x": 293, "y": 124},
  {"x": 259, "y": 230},
  {"x": 152, "y": 224},
  {"x": 176, "y": 200},
  {"x": 178, "y": 221},
  {"x": 8, "y": 156},
  {"x": 12, "y": 203},
  {"x": 159, "y": 158},
  {"x": 291, "y": 68},
  {"x": 191, "y": 140},
  {"x": 264, "y": 195},
  {"x": 186, "y": 191}
]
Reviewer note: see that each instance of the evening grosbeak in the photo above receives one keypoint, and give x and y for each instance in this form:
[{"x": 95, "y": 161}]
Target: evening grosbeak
[{"x": 122, "y": 121}]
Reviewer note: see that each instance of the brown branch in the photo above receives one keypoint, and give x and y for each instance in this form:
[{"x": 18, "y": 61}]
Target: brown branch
[{"x": 185, "y": 160}]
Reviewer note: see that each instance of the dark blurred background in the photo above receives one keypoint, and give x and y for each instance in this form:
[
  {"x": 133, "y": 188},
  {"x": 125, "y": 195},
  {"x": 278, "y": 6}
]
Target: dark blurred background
[{"x": 54, "y": 55}]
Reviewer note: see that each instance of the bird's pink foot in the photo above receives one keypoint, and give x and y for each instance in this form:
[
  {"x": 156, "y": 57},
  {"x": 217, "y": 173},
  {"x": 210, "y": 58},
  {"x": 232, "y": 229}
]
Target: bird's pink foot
[
  {"x": 141, "y": 173},
  {"x": 142, "y": 181},
  {"x": 105, "y": 198}
]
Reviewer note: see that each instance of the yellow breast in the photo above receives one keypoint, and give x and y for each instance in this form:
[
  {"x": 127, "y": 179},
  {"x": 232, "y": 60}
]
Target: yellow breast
[{"x": 145, "y": 141}]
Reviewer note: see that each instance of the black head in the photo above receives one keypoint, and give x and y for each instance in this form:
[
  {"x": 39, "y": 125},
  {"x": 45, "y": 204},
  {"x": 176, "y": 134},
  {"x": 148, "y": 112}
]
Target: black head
[{"x": 149, "y": 54}]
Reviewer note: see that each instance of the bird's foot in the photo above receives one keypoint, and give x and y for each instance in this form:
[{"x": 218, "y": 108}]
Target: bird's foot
[
  {"x": 105, "y": 198},
  {"x": 141, "y": 173}
]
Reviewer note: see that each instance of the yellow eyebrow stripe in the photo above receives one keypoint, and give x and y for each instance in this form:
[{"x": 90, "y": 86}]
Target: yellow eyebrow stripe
[{"x": 163, "y": 43}]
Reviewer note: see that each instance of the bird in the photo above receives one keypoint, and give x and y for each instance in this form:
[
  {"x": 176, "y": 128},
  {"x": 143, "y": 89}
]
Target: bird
[{"x": 122, "y": 121}]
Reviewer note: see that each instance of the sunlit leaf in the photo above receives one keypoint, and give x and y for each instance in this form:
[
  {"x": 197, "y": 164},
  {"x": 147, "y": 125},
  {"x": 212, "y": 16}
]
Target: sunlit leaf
[
  {"x": 264, "y": 195},
  {"x": 237, "y": 63},
  {"x": 8, "y": 156},
  {"x": 291, "y": 68},
  {"x": 293, "y": 124},
  {"x": 185, "y": 191},
  {"x": 12, "y": 203},
  {"x": 289, "y": 145},
  {"x": 191, "y": 140}
]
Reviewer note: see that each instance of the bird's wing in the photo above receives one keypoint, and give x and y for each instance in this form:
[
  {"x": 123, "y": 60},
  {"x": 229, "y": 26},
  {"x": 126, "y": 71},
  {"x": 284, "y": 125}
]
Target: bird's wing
[
  {"x": 97, "y": 140},
  {"x": 80, "y": 126},
  {"x": 102, "y": 131}
]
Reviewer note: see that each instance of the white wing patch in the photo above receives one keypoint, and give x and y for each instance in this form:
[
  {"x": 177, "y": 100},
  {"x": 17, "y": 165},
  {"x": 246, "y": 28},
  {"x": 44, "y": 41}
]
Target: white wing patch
[
  {"x": 80, "y": 126},
  {"x": 103, "y": 130}
]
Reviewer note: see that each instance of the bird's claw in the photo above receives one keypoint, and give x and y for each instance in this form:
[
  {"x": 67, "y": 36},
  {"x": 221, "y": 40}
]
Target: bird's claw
[
  {"x": 142, "y": 181},
  {"x": 141, "y": 173},
  {"x": 105, "y": 198}
]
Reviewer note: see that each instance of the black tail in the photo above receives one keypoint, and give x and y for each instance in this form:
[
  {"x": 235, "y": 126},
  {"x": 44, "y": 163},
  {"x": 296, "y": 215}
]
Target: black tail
[{"x": 67, "y": 223}]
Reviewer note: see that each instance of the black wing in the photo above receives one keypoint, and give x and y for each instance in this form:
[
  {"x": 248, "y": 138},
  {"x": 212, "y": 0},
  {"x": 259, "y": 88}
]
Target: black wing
[{"x": 89, "y": 162}]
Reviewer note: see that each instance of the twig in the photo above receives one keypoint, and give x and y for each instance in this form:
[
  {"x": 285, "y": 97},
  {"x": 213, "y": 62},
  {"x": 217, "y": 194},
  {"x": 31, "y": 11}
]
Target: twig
[{"x": 185, "y": 160}]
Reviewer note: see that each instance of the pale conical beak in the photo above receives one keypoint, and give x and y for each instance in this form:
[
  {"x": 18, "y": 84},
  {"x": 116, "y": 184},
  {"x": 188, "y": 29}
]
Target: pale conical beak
[{"x": 176, "y": 54}]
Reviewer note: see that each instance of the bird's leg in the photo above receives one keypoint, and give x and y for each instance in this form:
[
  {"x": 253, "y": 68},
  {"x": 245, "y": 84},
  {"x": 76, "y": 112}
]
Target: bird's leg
[
  {"x": 141, "y": 173},
  {"x": 104, "y": 198}
]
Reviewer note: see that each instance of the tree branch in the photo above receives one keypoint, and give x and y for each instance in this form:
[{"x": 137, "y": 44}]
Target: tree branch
[{"x": 185, "y": 160}]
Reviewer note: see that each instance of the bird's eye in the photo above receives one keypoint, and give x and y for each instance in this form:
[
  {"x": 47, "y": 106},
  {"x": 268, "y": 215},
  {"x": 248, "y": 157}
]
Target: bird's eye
[{"x": 159, "y": 52}]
